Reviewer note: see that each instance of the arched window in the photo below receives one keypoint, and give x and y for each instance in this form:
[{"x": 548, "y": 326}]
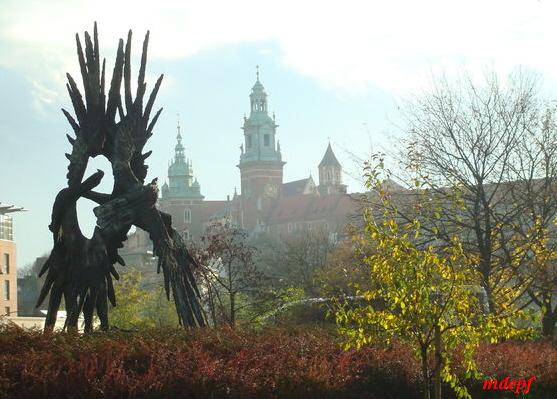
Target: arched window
[
  {"x": 187, "y": 215},
  {"x": 186, "y": 235}
]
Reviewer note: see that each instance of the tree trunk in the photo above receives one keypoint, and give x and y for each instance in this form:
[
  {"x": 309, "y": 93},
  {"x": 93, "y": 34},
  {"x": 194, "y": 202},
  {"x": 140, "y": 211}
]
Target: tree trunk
[
  {"x": 232, "y": 309},
  {"x": 438, "y": 363},
  {"x": 212, "y": 304},
  {"x": 485, "y": 270},
  {"x": 548, "y": 323},
  {"x": 425, "y": 371}
]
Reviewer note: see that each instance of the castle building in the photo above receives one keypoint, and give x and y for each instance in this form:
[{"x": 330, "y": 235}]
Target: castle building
[{"x": 266, "y": 203}]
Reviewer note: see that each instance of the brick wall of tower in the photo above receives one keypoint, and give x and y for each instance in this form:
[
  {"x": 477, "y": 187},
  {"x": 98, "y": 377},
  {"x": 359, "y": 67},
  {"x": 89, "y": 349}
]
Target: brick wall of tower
[{"x": 255, "y": 176}]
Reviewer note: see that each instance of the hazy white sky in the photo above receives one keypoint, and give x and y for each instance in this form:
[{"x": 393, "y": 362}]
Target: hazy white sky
[
  {"x": 346, "y": 45},
  {"x": 328, "y": 66}
]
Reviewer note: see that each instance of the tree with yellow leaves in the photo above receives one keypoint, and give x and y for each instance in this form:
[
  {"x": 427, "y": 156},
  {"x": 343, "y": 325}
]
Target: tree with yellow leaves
[{"x": 427, "y": 295}]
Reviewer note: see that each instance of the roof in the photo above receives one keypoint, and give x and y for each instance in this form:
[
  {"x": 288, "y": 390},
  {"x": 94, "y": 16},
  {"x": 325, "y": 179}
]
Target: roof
[
  {"x": 312, "y": 207},
  {"x": 5, "y": 208},
  {"x": 329, "y": 159},
  {"x": 294, "y": 187},
  {"x": 258, "y": 87}
]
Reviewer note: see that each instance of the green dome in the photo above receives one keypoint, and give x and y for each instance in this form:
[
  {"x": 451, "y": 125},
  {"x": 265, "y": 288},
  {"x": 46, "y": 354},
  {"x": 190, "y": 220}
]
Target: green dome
[
  {"x": 178, "y": 169},
  {"x": 180, "y": 176}
]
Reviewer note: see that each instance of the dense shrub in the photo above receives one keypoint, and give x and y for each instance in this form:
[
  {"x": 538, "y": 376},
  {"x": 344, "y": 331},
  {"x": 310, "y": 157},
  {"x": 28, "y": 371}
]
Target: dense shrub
[{"x": 277, "y": 363}]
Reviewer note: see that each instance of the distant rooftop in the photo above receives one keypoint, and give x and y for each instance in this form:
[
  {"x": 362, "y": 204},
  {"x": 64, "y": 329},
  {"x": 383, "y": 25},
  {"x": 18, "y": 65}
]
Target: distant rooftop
[
  {"x": 5, "y": 208},
  {"x": 294, "y": 187},
  {"x": 329, "y": 159}
]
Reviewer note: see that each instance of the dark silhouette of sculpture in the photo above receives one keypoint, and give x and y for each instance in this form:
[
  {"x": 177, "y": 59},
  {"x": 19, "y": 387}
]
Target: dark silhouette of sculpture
[{"x": 81, "y": 269}]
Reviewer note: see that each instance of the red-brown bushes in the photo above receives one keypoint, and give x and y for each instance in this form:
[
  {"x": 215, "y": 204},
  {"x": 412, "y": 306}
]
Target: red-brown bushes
[{"x": 275, "y": 363}]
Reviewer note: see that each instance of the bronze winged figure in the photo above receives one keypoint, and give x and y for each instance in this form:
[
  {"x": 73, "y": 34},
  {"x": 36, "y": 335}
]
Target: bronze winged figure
[{"x": 81, "y": 269}]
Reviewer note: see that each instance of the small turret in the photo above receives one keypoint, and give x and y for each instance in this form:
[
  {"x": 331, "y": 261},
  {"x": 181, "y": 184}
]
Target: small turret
[
  {"x": 181, "y": 182},
  {"x": 330, "y": 174}
]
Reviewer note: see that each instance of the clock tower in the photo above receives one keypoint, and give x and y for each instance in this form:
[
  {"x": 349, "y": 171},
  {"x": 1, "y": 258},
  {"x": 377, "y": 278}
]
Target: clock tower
[{"x": 261, "y": 162}]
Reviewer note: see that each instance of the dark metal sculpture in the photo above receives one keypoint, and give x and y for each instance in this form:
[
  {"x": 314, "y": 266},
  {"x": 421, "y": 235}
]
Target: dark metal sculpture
[{"x": 81, "y": 269}]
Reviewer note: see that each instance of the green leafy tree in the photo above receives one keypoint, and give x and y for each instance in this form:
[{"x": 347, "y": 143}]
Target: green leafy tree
[
  {"x": 428, "y": 295},
  {"x": 158, "y": 311},
  {"x": 131, "y": 302}
]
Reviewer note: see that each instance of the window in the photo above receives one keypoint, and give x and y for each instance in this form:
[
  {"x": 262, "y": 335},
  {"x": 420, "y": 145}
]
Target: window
[
  {"x": 187, "y": 215},
  {"x": 186, "y": 234},
  {"x": 290, "y": 227},
  {"x": 6, "y": 230},
  {"x": 7, "y": 310},
  {"x": 6, "y": 290},
  {"x": 266, "y": 140},
  {"x": 7, "y": 263},
  {"x": 248, "y": 141}
]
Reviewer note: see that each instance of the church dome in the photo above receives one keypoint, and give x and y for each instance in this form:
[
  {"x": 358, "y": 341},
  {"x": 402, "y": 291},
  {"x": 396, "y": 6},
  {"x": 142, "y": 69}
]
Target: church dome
[{"x": 178, "y": 169}]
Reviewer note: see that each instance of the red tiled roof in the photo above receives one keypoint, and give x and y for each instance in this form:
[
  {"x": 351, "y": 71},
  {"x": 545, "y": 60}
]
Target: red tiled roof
[
  {"x": 294, "y": 187},
  {"x": 301, "y": 208}
]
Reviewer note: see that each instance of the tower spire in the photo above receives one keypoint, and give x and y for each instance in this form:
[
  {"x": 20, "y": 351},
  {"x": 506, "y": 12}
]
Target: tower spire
[
  {"x": 258, "y": 97},
  {"x": 179, "y": 135},
  {"x": 181, "y": 181},
  {"x": 179, "y": 148}
]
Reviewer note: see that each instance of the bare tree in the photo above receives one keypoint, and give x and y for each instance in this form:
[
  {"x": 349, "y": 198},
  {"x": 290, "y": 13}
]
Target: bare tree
[
  {"x": 462, "y": 152},
  {"x": 227, "y": 269},
  {"x": 533, "y": 253},
  {"x": 295, "y": 259}
]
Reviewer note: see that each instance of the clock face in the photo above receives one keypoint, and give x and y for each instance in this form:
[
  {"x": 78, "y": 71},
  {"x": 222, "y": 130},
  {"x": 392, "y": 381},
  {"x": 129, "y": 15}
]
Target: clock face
[{"x": 271, "y": 190}]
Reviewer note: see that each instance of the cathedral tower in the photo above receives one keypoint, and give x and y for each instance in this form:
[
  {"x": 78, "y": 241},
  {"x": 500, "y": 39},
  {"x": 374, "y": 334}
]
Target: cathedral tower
[
  {"x": 330, "y": 174},
  {"x": 181, "y": 183},
  {"x": 261, "y": 162}
]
